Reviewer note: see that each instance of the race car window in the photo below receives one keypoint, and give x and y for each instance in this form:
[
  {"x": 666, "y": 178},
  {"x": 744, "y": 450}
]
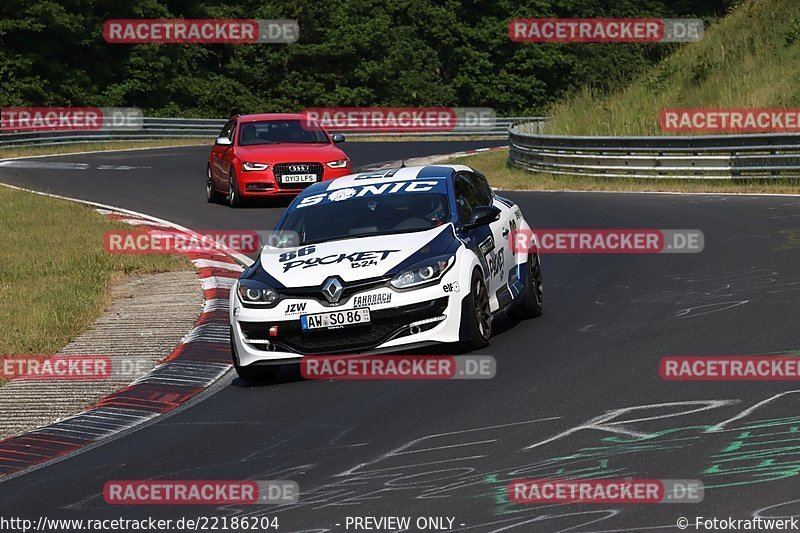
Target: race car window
[
  {"x": 467, "y": 195},
  {"x": 226, "y": 130},
  {"x": 368, "y": 216},
  {"x": 483, "y": 188}
]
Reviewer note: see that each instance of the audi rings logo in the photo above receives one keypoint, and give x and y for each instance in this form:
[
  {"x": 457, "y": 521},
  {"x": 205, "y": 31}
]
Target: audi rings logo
[
  {"x": 332, "y": 290},
  {"x": 298, "y": 168}
]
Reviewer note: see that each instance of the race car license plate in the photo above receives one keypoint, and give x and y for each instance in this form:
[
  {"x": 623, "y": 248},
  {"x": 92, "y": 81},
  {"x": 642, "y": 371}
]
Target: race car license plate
[
  {"x": 299, "y": 178},
  {"x": 335, "y": 319}
]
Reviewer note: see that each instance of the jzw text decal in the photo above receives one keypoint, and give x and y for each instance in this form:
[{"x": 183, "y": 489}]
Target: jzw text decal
[
  {"x": 293, "y": 309},
  {"x": 356, "y": 259}
]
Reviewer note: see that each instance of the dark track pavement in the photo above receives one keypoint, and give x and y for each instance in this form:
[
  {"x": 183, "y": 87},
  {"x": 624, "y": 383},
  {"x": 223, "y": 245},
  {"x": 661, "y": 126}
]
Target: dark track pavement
[{"x": 449, "y": 448}]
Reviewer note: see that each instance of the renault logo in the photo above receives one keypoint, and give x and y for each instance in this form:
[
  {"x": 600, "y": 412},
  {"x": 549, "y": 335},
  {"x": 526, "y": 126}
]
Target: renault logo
[
  {"x": 298, "y": 168},
  {"x": 332, "y": 290}
]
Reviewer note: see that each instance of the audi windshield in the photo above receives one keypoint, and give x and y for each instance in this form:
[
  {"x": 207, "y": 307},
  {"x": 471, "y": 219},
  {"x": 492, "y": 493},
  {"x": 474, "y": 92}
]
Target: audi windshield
[{"x": 280, "y": 132}]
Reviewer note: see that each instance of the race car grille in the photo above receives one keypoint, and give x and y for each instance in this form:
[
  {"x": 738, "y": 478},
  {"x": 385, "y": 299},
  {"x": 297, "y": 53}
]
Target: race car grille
[
  {"x": 386, "y": 325},
  {"x": 287, "y": 169},
  {"x": 348, "y": 290}
]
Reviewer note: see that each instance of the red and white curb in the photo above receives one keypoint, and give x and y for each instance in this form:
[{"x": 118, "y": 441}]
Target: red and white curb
[{"x": 202, "y": 357}]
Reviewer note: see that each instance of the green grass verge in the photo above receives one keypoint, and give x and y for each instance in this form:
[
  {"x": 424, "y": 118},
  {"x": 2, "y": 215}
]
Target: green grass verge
[
  {"x": 750, "y": 58},
  {"x": 54, "y": 273},
  {"x": 32, "y": 151},
  {"x": 495, "y": 166}
]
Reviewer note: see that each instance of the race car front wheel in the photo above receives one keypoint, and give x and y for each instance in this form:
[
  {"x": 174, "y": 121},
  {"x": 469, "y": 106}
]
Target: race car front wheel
[
  {"x": 478, "y": 314},
  {"x": 530, "y": 301}
]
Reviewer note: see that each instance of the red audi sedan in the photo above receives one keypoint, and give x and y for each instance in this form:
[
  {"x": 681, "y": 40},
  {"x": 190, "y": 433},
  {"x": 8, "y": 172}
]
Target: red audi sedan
[{"x": 271, "y": 155}]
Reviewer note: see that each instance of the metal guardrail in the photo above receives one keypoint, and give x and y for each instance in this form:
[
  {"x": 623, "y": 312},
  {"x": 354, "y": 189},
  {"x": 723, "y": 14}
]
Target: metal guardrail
[
  {"x": 775, "y": 155},
  {"x": 187, "y": 128}
]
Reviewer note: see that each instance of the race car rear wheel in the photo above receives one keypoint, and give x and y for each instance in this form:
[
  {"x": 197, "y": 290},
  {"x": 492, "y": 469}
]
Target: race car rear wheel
[
  {"x": 530, "y": 302},
  {"x": 480, "y": 317},
  {"x": 234, "y": 199},
  {"x": 212, "y": 195}
]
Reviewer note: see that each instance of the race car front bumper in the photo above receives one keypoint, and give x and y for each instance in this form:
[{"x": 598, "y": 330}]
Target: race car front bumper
[{"x": 412, "y": 318}]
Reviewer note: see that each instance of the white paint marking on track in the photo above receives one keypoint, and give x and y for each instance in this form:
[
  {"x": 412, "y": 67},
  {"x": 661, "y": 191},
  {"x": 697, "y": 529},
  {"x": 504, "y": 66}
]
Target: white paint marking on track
[
  {"x": 142, "y": 222},
  {"x": 118, "y": 167},
  {"x": 44, "y": 165}
]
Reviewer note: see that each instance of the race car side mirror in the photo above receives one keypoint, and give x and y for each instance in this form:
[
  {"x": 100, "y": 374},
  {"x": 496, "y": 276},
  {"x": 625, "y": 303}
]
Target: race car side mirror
[
  {"x": 337, "y": 137},
  {"x": 482, "y": 216},
  {"x": 223, "y": 141}
]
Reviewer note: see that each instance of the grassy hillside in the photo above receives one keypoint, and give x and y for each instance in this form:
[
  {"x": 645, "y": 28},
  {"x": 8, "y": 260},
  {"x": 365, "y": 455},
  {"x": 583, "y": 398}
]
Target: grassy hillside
[{"x": 750, "y": 58}]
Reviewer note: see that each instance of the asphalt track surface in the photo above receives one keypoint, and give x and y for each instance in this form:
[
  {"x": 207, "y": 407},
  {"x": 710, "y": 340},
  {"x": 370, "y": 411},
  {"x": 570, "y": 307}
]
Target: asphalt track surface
[{"x": 577, "y": 391}]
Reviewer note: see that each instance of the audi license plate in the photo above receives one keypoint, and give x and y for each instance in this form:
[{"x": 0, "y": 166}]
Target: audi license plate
[
  {"x": 335, "y": 319},
  {"x": 299, "y": 178}
]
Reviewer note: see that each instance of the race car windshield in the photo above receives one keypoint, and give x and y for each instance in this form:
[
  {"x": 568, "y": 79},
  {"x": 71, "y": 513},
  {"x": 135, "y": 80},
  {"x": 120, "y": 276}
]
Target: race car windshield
[
  {"x": 279, "y": 132},
  {"x": 365, "y": 217}
]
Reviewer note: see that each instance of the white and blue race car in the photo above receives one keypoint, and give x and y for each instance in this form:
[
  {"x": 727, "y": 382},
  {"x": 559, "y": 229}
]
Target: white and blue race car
[{"x": 383, "y": 261}]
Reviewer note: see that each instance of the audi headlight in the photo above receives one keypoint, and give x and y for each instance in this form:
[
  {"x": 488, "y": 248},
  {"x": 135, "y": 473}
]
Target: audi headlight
[
  {"x": 339, "y": 163},
  {"x": 253, "y": 292},
  {"x": 254, "y": 166},
  {"x": 424, "y": 272}
]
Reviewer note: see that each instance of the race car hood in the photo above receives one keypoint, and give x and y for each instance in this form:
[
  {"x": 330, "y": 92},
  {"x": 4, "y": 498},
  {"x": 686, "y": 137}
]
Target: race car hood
[
  {"x": 289, "y": 152},
  {"x": 352, "y": 259}
]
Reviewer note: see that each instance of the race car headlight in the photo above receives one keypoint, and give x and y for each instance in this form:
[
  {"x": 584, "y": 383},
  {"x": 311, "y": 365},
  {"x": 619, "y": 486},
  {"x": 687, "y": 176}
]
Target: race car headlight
[
  {"x": 339, "y": 163},
  {"x": 424, "y": 272},
  {"x": 256, "y": 293},
  {"x": 247, "y": 167}
]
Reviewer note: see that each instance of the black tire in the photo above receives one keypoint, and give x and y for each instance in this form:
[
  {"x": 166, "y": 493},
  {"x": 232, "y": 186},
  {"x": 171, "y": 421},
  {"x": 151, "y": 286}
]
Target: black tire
[
  {"x": 252, "y": 374},
  {"x": 530, "y": 304},
  {"x": 234, "y": 198},
  {"x": 212, "y": 194},
  {"x": 480, "y": 320}
]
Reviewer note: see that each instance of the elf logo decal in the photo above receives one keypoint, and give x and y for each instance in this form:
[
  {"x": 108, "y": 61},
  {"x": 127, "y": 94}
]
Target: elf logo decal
[
  {"x": 293, "y": 309},
  {"x": 451, "y": 287},
  {"x": 369, "y": 190},
  {"x": 495, "y": 263},
  {"x": 355, "y": 259}
]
